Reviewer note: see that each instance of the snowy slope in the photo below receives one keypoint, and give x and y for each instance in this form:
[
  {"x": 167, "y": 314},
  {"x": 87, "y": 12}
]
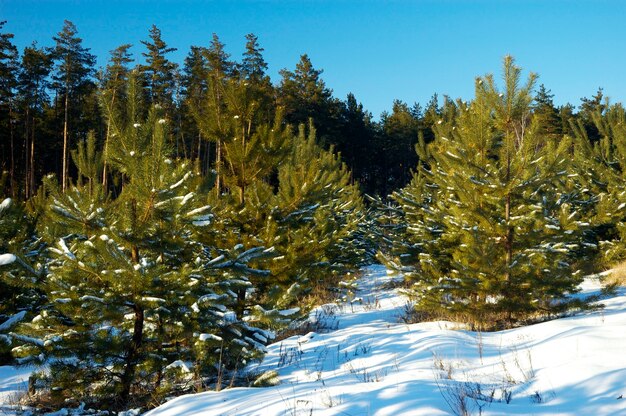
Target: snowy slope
[
  {"x": 367, "y": 362},
  {"x": 370, "y": 363}
]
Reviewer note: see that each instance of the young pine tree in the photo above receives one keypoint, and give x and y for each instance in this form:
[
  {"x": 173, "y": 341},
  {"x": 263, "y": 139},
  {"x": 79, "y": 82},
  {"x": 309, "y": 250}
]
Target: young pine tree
[
  {"x": 488, "y": 209},
  {"x": 20, "y": 296},
  {"x": 317, "y": 214},
  {"x": 601, "y": 168},
  {"x": 138, "y": 304},
  {"x": 73, "y": 80}
]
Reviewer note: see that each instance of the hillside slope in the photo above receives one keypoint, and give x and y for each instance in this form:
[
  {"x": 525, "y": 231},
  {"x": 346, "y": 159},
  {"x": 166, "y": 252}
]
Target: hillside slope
[{"x": 365, "y": 361}]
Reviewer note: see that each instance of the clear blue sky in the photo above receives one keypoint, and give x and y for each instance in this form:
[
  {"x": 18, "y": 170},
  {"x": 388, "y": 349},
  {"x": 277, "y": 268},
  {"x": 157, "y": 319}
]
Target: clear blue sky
[{"x": 378, "y": 50}]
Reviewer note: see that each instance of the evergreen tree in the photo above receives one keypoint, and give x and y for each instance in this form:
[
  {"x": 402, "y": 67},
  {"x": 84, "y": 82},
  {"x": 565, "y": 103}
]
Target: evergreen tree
[
  {"x": 253, "y": 65},
  {"x": 400, "y": 131},
  {"x": 212, "y": 72},
  {"x": 160, "y": 72},
  {"x": 19, "y": 293},
  {"x": 133, "y": 288},
  {"x": 489, "y": 212},
  {"x": 194, "y": 90},
  {"x": 112, "y": 88},
  {"x": 32, "y": 88},
  {"x": 73, "y": 81},
  {"x": 588, "y": 108},
  {"x": 357, "y": 143},
  {"x": 8, "y": 82},
  {"x": 253, "y": 70},
  {"x": 303, "y": 95},
  {"x": 317, "y": 214},
  {"x": 601, "y": 169},
  {"x": 544, "y": 109}
]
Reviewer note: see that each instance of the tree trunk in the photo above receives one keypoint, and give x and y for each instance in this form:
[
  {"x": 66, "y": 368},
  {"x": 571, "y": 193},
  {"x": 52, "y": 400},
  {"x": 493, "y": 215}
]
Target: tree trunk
[
  {"x": 12, "y": 174},
  {"x": 65, "y": 143},
  {"x": 132, "y": 354},
  {"x": 105, "y": 151},
  {"x": 27, "y": 158},
  {"x": 241, "y": 303},
  {"x": 218, "y": 165},
  {"x": 509, "y": 238}
]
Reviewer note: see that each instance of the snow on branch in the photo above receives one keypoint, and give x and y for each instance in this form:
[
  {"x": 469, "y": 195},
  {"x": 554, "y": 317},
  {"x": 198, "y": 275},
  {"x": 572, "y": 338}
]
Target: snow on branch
[
  {"x": 6, "y": 325},
  {"x": 6, "y": 259},
  {"x": 28, "y": 340},
  {"x": 5, "y": 204}
]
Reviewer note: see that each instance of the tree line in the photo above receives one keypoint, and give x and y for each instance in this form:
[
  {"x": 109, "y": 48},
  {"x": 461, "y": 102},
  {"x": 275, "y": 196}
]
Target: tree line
[
  {"x": 52, "y": 97},
  {"x": 157, "y": 224}
]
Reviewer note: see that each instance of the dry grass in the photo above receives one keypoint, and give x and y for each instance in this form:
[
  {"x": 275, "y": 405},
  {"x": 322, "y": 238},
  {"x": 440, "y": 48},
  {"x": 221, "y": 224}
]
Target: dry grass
[{"x": 617, "y": 275}]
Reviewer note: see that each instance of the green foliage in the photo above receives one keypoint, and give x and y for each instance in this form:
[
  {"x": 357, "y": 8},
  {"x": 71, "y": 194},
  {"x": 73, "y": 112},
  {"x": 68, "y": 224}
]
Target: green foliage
[
  {"x": 132, "y": 289},
  {"x": 160, "y": 73},
  {"x": 317, "y": 212},
  {"x": 489, "y": 212},
  {"x": 601, "y": 165},
  {"x": 88, "y": 160},
  {"x": 19, "y": 294}
]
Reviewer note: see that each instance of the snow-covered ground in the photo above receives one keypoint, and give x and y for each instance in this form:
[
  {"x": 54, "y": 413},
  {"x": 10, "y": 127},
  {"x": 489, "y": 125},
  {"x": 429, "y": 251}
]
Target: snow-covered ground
[
  {"x": 374, "y": 364},
  {"x": 13, "y": 384},
  {"x": 365, "y": 361}
]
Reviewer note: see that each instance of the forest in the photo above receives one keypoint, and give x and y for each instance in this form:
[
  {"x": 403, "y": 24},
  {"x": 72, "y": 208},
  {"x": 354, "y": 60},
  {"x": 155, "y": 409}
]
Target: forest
[{"x": 153, "y": 213}]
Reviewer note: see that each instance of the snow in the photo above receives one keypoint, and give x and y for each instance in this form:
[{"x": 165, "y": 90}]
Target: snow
[
  {"x": 289, "y": 312},
  {"x": 179, "y": 364},
  {"x": 6, "y": 203},
  {"x": 6, "y": 325},
  {"x": 362, "y": 359},
  {"x": 66, "y": 250},
  {"x": 13, "y": 382},
  {"x": 6, "y": 259},
  {"x": 209, "y": 337}
]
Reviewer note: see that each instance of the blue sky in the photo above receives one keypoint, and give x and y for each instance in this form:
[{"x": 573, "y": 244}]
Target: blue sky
[{"x": 378, "y": 50}]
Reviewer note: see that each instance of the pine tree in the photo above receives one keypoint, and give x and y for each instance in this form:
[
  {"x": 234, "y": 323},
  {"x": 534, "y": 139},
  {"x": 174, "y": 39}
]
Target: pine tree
[
  {"x": 73, "y": 81},
  {"x": 111, "y": 91},
  {"x": 304, "y": 95},
  {"x": 253, "y": 71},
  {"x": 194, "y": 88},
  {"x": 208, "y": 105},
  {"x": 8, "y": 82},
  {"x": 600, "y": 165},
  {"x": 544, "y": 109},
  {"x": 32, "y": 89},
  {"x": 400, "y": 131},
  {"x": 160, "y": 72},
  {"x": 357, "y": 143},
  {"x": 317, "y": 214},
  {"x": 19, "y": 292},
  {"x": 253, "y": 65},
  {"x": 134, "y": 289},
  {"x": 89, "y": 163},
  {"x": 490, "y": 213}
]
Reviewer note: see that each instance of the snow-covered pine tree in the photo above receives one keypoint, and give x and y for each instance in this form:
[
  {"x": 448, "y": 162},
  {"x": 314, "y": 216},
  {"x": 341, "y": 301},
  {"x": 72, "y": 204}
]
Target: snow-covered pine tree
[
  {"x": 488, "y": 208},
  {"x": 19, "y": 295},
  {"x": 601, "y": 169},
  {"x": 317, "y": 213},
  {"x": 138, "y": 304}
]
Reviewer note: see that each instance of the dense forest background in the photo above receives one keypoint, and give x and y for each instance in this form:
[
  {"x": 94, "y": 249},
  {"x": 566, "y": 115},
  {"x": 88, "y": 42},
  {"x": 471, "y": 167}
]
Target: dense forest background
[
  {"x": 52, "y": 97},
  {"x": 153, "y": 213}
]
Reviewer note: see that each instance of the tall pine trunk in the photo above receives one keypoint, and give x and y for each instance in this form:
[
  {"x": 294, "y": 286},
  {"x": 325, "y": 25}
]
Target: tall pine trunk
[
  {"x": 27, "y": 158},
  {"x": 65, "y": 142},
  {"x": 218, "y": 165},
  {"x": 12, "y": 173}
]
